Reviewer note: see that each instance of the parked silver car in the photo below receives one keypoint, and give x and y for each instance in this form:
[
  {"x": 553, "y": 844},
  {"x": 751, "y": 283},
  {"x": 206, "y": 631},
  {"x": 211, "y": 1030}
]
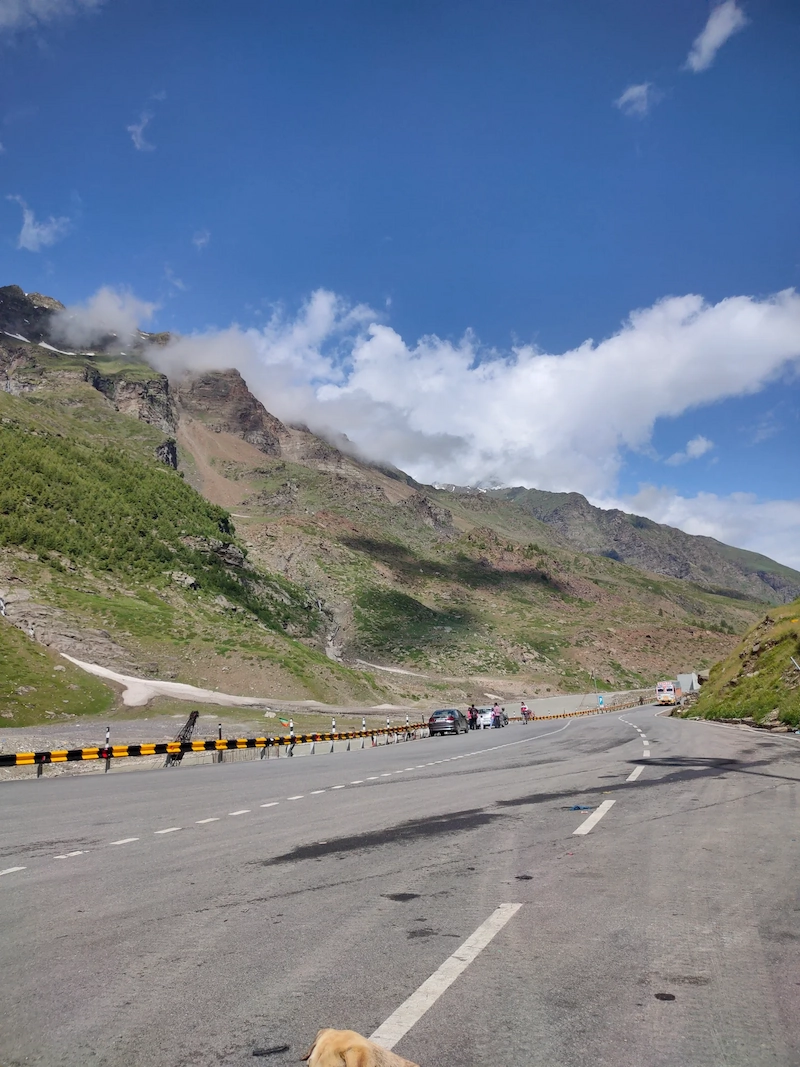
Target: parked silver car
[
  {"x": 448, "y": 721},
  {"x": 485, "y": 718}
]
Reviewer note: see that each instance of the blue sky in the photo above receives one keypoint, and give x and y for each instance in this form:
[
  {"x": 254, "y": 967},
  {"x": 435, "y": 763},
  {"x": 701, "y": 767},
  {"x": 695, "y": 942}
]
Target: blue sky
[{"x": 531, "y": 172}]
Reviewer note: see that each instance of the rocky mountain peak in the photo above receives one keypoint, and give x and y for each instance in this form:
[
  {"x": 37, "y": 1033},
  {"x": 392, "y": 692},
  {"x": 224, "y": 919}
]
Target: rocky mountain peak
[
  {"x": 26, "y": 314},
  {"x": 222, "y": 400}
]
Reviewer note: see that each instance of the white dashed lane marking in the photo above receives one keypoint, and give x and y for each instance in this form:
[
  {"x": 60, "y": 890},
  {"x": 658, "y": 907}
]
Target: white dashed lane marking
[
  {"x": 411, "y": 1011},
  {"x": 300, "y": 796},
  {"x": 594, "y": 818},
  {"x": 634, "y": 774}
]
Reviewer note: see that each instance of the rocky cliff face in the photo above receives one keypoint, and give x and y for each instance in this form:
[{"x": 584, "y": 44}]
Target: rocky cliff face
[
  {"x": 145, "y": 398},
  {"x": 222, "y": 401}
]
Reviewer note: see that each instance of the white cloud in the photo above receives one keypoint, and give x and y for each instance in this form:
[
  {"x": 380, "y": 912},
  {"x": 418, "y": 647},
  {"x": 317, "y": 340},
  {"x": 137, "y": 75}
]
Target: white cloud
[
  {"x": 455, "y": 411},
  {"x": 697, "y": 447},
  {"x": 26, "y": 14},
  {"x": 173, "y": 280},
  {"x": 725, "y": 19},
  {"x": 34, "y": 236},
  {"x": 201, "y": 239},
  {"x": 107, "y": 312},
  {"x": 637, "y": 100},
  {"x": 136, "y": 130},
  {"x": 771, "y": 527}
]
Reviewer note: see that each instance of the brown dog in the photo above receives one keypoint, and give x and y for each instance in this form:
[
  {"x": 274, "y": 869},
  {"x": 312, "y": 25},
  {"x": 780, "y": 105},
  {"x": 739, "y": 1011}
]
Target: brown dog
[{"x": 346, "y": 1048}]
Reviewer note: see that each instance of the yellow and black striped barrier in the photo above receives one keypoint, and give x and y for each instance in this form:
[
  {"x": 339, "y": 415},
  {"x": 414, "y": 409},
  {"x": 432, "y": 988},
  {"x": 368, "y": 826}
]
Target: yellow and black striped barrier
[{"x": 180, "y": 748}]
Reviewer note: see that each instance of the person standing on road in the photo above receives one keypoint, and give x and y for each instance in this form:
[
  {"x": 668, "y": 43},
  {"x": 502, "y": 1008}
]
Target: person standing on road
[
  {"x": 496, "y": 719},
  {"x": 523, "y": 710},
  {"x": 472, "y": 715}
]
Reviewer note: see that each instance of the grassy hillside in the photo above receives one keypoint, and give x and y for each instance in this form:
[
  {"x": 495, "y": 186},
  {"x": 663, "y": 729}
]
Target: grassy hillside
[
  {"x": 116, "y": 559},
  {"x": 758, "y": 679},
  {"x": 455, "y": 587},
  {"x": 37, "y": 685},
  {"x": 334, "y": 564}
]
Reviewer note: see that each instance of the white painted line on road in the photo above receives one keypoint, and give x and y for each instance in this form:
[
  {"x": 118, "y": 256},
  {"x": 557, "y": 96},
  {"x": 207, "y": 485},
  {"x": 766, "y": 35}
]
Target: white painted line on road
[
  {"x": 646, "y": 744},
  {"x": 299, "y": 797},
  {"x": 594, "y": 818},
  {"x": 411, "y": 1011},
  {"x": 272, "y": 804},
  {"x": 316, "y": 792},
  {"x": 635, "y": 773},
  {"x": 386, "y": 774},
  {"x": 169, "y": 830},
  {"x": 358, "y": 781},
  {"x": 339, "y": 787},
  {"x": 12, "y": 870},
  {"x": 80, "y": 852},
  {"x": 124, "y": 840},
  {"x": 214, "y": 818},
  {"x": 646, "y": 754},
  {"x": 409, "y": 768},
  {"x": 372, "y": 778},
  {"x": 242, "y": 811}
]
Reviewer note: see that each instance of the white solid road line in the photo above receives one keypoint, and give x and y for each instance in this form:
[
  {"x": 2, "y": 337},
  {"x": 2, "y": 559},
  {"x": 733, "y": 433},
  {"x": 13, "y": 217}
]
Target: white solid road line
[
  {"x": 635, "y": 773},
  {"x": 12, "y": 870},
  {"x": 214, "y": 818},
  {"x": 243, "y": 811},
  {"x": 411, "y": 1011},
  {"x": 169, "y": 830},
  {"x": 272, "y": 804},
  {"x": 594, "y": 818},
  {"x": 124, "y": 840}
]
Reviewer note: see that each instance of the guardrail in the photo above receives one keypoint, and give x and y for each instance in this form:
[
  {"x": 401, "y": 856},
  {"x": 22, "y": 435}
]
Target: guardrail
[
  {"x": 181, "y": 748},
  {"x": 177, "y": 749}
]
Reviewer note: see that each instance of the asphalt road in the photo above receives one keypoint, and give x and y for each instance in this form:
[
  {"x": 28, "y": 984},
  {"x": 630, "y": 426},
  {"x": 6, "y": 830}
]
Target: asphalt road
[{"x": 190, "y": 917}]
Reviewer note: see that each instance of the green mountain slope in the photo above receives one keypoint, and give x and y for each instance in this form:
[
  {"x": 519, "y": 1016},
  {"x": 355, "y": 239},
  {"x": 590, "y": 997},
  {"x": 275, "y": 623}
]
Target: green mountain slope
[
  {"x": 176, "y": 529},
  {"x": 759, "y": 679}
]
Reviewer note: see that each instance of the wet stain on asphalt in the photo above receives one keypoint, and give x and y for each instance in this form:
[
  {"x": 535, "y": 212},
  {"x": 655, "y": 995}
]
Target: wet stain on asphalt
[
  {"x": 401, "y": 897},
  {"x": 404, "y": 833}
]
